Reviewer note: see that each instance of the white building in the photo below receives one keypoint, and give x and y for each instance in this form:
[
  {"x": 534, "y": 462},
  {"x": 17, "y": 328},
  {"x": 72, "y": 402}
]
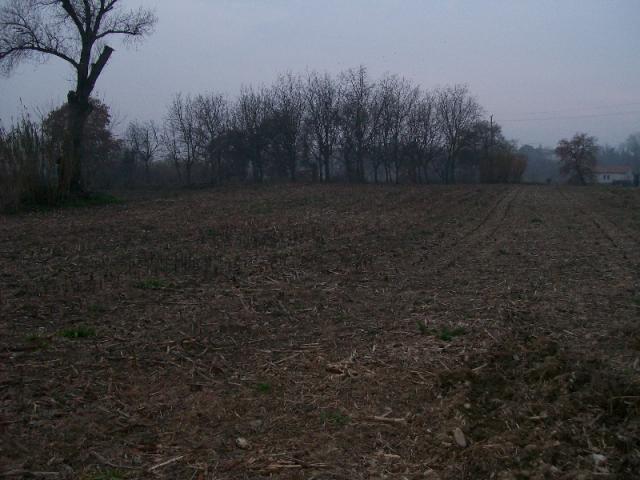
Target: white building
[{"x": 613, "y": 174}]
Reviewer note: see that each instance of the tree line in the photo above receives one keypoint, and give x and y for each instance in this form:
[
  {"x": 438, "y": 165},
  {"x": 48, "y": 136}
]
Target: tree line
[
  {"x": 327, "y": 128},
  {"x": 317, "y": 128}
]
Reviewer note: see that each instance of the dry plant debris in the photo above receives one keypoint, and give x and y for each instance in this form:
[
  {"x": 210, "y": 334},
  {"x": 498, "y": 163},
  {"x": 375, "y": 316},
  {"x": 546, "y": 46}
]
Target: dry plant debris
[{"x": 325, "y": 332}]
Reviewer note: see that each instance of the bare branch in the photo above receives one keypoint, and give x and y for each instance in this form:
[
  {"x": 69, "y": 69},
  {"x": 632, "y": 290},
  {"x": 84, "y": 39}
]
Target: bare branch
[
  {"x": 67, "y": 29},
  {"x": 137, "y": 23},
  {"x": 24, "y": 33}
]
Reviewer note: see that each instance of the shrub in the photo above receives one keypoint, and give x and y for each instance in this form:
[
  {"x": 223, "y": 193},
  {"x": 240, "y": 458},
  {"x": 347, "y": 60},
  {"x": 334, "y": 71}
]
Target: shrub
[{"x": 28, "y": 171}]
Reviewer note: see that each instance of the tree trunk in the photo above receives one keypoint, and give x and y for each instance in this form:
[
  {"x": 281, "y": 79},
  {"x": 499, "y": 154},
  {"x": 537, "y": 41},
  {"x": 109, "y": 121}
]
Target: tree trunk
[
  {"x": 70, "y": 179},
  {"x": 147, "y": 171},
  {"x": 327, "y": 167},
  {"x": 360, "y": 165},
  {"x": 219, "y": 166},
  {"x": 188, "y": 166},
  {"x": 293, "y": 165},
  {"x": 452, "y": 175}
]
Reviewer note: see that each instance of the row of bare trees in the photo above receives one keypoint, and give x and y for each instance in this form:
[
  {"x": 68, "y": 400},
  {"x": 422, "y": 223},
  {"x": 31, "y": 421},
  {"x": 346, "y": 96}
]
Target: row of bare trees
[
  {"x": 324, "y": 128},
  {"x": 321, "y": 127}
]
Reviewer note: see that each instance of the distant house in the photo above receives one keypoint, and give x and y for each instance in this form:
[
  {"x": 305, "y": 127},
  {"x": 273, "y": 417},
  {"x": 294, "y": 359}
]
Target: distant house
[{"x": 613, "y": 175}]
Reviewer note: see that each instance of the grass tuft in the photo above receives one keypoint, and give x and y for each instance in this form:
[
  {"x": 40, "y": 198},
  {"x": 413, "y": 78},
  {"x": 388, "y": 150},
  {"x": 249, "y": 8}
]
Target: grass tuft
[
  {"x": 447, "y": 334},
  {"x": 78, "y": 332},
  {"x": 264, "y": 387},
  {"x": 422, "y": 327},
  {"x": 37, "y": 341}
]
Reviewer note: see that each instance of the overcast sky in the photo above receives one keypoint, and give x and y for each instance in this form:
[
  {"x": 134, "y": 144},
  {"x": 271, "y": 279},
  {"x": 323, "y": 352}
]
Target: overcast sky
[{"x": 544, "y": 68}]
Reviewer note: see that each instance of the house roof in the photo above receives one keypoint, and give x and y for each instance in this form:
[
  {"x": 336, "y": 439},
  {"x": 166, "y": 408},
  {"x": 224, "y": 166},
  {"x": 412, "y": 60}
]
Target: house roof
[{"x": 612, "y": 169}]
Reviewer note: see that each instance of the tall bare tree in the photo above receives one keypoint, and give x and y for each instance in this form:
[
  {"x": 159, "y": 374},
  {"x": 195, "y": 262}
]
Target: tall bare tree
[
  {"x": 425, "y": 131},
  {"x": 212, "y": 122},
  {"x": 251, "y": 115},
  {"x": 169, "y": 142},
  {"x": 360, "y": 120},
  {"x": 182, "y": 122},
  {"x": 323, "y": 104},
  {"x": 400, "y": 98},
  {"x": 457, "y": 113},
  {"x": 288, "y": 117},
  {"x": 74, "y": 31}
]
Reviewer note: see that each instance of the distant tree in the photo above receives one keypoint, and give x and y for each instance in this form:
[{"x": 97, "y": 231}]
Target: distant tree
[
  {"x": 497, "y": 159},
  {"x": 457, "y": 111},
  {"x": 609, "y": 155},
  {"x": 518, "y": 166},
  {"x": 212, "y": 123},
  {"x": 632, "y": 148},
  {"x": 74, "y": 31},
  {"x": 399, "y": 97},
  {"x": 252, "y": 114},
  {"x": 542, "y": 165},
  {"x": 143, "y": 141},
  {"x": 323, "y": 103},
  {"x": 181, "y": 140},
  {"x": 236, "y": 153},
  {"x": 360, "y": 118},
  {"x": 503, "y": 165},
  {"x": 287, "y": 118},
  {"x": 578, "y": 158},
  {"x": 171, "y": 148},
  {"x": 424, "y": 138}
]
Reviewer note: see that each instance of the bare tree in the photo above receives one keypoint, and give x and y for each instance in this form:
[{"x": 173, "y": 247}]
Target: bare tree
[
  {"x": 578, "y": 157},
  {"x": 424, "y": 137},
  {"x": 251, "y": 114},
  {"x": 212, "y": 122},
  {"x": 323, "y": 103},
  {"x": 400, "y": 98},
  {"x": 360, "y": 120},
  {"x": 74, "y": 31},
  {"x": 182, "y": 138},
  {"x": 144, "y": 141},
  {"x": 169, "y": 143},
  {"x": 457, "y": 113},
  {"x": 288, "y": 117}
]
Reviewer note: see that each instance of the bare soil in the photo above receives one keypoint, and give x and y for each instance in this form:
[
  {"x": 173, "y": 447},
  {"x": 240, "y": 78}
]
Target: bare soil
[{"x": 324, "y": 332}]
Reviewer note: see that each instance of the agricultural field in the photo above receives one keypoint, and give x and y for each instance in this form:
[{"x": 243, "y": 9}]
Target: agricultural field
[{"x": 324, "y": 332}]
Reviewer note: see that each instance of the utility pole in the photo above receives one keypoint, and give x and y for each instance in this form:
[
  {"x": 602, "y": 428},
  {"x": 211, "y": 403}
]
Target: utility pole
[
  {"x": 489, "y": 151},
  {"x": 491, "y": 132}
]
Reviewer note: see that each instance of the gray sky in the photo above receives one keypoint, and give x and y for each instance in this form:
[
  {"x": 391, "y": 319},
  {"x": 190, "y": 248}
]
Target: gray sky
[{"x": 544, "y": 68}]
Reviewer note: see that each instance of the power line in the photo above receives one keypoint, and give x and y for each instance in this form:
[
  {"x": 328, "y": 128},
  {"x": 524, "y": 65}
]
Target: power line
[
  {"x": 573, "y": 117},
  {"x": 573, "y": 109}
]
